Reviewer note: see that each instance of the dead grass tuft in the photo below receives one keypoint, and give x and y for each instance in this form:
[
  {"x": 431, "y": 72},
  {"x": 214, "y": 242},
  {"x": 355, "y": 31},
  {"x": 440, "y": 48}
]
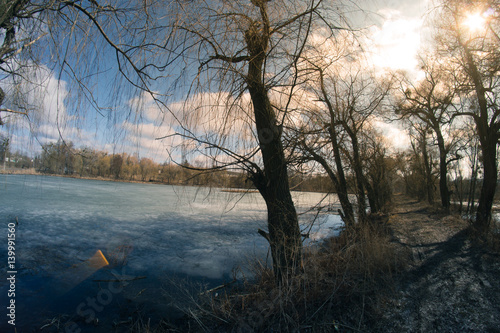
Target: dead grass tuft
[{"x": 490, "y": 239}]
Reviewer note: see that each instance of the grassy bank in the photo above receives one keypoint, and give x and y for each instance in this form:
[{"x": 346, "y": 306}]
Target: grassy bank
[
  {"x": 343, "y": 283},
  {"x": 16, "y": 171},
  {"x": 419, "y": 272},
  {"x": 33, "y": 171}
]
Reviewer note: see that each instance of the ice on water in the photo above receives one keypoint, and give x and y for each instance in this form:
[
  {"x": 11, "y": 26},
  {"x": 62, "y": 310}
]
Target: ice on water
[{"x": 154, "y": 228}]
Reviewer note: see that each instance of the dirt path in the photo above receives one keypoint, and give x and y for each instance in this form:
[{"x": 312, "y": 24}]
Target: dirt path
[{"x": 451, "y": 285}]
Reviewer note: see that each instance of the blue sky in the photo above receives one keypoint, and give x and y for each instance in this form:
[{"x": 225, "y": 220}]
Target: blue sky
[{"x": 128, "y": 123}]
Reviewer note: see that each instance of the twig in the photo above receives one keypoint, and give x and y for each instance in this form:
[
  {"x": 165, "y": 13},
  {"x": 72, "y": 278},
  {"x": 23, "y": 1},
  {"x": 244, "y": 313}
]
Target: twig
[
  {"x": 54, "y": 320},
  {"x": 218, "y": 287}
]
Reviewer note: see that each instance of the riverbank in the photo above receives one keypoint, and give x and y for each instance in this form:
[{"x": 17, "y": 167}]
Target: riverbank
[
  {"x": 32, "y": 171},
  {"x": 16, "y": 171},
  {"x": 420, "y": 273}
]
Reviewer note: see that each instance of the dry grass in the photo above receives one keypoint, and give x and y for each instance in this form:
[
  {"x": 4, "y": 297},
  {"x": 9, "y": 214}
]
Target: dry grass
[
  {"x": 338, "y": 290},
  {"x": 490, "y": 239},
  {"x": 493, "y": 238}
]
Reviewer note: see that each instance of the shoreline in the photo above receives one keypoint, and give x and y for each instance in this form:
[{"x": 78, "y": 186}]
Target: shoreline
[{"x": 33, "y": 172}]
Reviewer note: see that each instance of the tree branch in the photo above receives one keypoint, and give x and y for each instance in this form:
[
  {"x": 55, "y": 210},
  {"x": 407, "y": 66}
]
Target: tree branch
[{"x": 14, "y": 111}]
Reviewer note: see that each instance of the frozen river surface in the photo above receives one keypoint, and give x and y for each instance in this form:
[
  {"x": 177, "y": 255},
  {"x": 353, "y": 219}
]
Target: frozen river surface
[{"x": 148, "y": 230}]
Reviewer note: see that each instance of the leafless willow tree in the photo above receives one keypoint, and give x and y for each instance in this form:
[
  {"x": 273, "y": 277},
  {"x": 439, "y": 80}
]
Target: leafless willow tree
[
  {"x": 251, "y": 50},
  {"x": 61, "y": 48},
  {"x": 20, "y": 30}
]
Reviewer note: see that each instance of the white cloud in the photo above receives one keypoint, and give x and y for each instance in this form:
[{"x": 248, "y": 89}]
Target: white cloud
[
  {"x": 394, "y": 45},
  {"x": 216, "y": 113},
  {"x": 142, "y": 138},
  {"x": 44, "y": 98},
  {"x": 397, "y": 137},
  {"x": 145, "y": 107}
]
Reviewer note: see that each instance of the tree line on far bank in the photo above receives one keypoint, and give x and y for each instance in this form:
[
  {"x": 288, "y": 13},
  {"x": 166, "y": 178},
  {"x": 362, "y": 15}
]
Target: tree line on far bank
[{"x": 63, "y": 158}]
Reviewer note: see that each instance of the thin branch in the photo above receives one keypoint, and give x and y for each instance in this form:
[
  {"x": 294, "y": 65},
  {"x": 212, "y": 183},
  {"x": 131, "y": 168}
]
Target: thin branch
[{"x": 14, "y": 111}]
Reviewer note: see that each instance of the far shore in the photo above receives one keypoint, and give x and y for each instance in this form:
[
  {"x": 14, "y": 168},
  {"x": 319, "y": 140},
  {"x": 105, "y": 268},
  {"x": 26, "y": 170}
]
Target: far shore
[{"x": 34, "y": 172}]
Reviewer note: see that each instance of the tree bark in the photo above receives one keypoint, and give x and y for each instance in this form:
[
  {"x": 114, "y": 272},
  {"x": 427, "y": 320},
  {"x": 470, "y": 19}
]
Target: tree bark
[
  {"x": 488, "y": 139},
  {"x": 487, "y": 194},
  {"x": 284, "y": 232},
  {"x": 358, "y": 170},
  {"x": 443, "y": 171}
]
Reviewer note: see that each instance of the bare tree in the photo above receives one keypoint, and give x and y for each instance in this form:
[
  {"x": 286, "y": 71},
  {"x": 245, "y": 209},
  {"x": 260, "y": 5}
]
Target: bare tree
[
  {"x": 431, "y": 102},
  {"x": 323, "y": 143},
  {"x": 347, "y": 98},
  {"x": 423, "y": 164},
  {"x": 379, "y": 170},
  {"x": 473, "y": 57},
  {"x": 246, "y": 55},
  {"x": 265, "y": 63}
]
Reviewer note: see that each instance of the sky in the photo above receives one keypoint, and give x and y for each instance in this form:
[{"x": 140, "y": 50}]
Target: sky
[{"x": 392, "y": 43}]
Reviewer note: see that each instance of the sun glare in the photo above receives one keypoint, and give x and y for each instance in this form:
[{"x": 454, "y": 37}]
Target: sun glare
[{"x": 475, "y": 21}]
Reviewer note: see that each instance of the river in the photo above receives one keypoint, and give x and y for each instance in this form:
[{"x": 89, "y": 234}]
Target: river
[{"x": 153, "y": 235}]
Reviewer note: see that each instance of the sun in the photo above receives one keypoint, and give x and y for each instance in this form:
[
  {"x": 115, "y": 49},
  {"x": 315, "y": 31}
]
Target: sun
[{"x": 475, "y": 21}]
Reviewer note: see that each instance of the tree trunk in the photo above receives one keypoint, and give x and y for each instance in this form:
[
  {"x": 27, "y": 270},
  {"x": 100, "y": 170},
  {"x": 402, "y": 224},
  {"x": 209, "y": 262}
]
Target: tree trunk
[
  {"x": 372, "y": 199},
  {"x": 472, "y": 184},
  {"x": 428, "y": 172},
  {"x": 490, "y": 177},
  {"x": 488, "y": 138},
  {"x": 340, "y": 187},
  {"x": 2, "y": 97},
  {"x": 358, "y": 171},
  {"x": 443, "y": 173},
  {"x": 284, "y": 233},
  {"x": 348, "y": 215}
]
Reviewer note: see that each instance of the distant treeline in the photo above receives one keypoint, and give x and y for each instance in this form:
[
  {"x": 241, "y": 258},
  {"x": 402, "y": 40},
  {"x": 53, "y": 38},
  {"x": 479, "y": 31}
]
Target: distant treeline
[{"x": 64, "y": 159}]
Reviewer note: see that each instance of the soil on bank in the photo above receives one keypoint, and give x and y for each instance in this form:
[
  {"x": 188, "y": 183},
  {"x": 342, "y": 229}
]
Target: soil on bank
[{"x": 451, "y": 285}]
